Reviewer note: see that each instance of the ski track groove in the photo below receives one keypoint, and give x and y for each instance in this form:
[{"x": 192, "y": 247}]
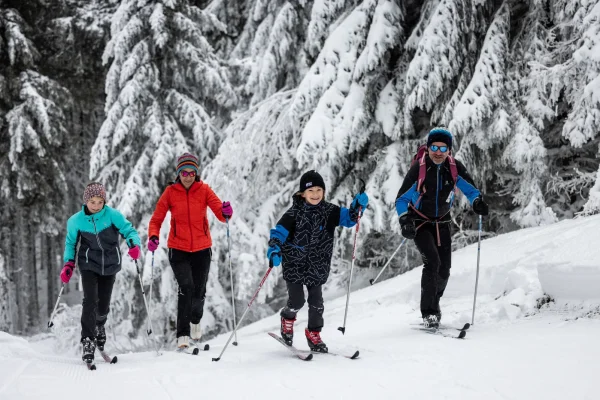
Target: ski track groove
[{"x": 15, "y": 376}]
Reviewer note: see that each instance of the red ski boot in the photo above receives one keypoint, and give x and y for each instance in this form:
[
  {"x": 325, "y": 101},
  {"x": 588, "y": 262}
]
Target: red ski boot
[
  {"x": 287, "y": 330},
  {"x": 314, "y": 341}
]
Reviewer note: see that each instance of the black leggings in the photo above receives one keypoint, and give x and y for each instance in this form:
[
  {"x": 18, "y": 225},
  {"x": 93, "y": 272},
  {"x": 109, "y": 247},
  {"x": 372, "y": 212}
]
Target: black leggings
[
  {"x": 436, "y": 265},
  {"x": 191, "y": 272},
  {"x": 296, "y": 301},
  {"x": 97, "y": 290}
]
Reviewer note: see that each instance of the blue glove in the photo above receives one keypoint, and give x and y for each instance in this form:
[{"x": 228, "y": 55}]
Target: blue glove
[
  {"x": 360, "y": 199},
  {"x": 274, "y": 254}
]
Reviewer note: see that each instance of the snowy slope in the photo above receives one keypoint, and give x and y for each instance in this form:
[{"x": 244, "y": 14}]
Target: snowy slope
[{"x": 514, "y": 351}]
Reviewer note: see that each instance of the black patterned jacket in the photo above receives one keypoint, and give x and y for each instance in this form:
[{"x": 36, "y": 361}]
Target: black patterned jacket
[{"x": 305, "y": 236}]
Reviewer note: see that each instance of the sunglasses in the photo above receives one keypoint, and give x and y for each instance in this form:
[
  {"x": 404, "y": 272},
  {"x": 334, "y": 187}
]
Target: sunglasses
[
  {"x": 185, "y": 174},
  {"x": 443, "y": 149}
]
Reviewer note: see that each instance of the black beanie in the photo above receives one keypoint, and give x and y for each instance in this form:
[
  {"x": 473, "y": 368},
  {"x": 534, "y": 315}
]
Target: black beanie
[
  {"x": 440, "y": 135},
  {"x": 310, "y": 179}
]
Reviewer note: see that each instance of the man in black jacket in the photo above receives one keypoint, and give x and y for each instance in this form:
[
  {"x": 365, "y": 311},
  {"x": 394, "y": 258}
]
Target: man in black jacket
[{"x": 423, "y": 205}]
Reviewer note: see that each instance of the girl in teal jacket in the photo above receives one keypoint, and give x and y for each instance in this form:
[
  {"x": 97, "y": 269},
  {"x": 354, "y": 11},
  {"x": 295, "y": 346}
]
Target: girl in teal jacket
[{"x": 92, "y": 243}]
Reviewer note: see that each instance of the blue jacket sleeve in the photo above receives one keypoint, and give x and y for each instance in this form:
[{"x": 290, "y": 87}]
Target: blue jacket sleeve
[
  {"x": 284, "y": 226},
  {"x": 71, "y": 239},
  {"x": 407, "y": 190},
  {"x": 465, "y": 183},
  {"x": 125, "y": 227}
]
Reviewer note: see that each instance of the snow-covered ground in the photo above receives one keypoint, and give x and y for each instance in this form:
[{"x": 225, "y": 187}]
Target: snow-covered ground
[{"x": 515, "y": 350}]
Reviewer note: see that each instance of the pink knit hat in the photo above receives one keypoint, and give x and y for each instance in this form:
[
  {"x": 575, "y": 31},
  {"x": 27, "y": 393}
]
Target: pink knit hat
[{"x": 94, "y": 189}]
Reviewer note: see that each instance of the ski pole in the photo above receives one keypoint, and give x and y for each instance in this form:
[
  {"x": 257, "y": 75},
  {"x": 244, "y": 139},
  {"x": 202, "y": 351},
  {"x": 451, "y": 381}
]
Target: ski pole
[
  {"x": 247, "y": 308},
  {"x": 149, "y": 329},
  {"x": 50, "y": 323},
  {"x": 343, "y": 328},
  {"x": 235, "y": 343},
  {"x": 477, "y": 274},
  {"x": 372, "y": 281},
  {"x": 137, "y": 268}
]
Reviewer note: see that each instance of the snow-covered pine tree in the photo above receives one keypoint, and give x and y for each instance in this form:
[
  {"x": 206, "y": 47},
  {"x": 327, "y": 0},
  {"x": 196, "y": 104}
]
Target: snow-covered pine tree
[
  {"x": 167, "y": 93},
  {"x": 33, "y": 131}
]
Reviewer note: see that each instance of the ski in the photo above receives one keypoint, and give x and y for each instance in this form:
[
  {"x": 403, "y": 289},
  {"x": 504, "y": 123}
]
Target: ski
[
  {"x": 443, "y": 332},
  {"x": 90, "y": 366},
  {"x": 354, "y": 356},
  {"x": 187, "y": 350},
  {"x": 305, "y": 356},
  {"x": 196, "y": 344},
  {"x": 107, "y": 358}
]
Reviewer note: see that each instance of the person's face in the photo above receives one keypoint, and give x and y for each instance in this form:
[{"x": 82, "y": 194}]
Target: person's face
[
  {"x": 313, "y": 195},
  {"x": 187, "y": 176},
  {"x": 95, "y": 204},
  {"x": 436, "y": 154}
]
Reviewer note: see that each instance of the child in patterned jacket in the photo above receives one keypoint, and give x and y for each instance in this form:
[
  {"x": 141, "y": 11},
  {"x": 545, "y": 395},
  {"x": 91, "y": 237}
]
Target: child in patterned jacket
[{"x": 303, "y": 241}]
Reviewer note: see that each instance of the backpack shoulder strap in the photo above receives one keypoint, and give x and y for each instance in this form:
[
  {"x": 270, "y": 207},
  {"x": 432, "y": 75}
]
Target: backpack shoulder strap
[
  {"x": 422, "y": 173},
  {"x": 453, "y": 169}
]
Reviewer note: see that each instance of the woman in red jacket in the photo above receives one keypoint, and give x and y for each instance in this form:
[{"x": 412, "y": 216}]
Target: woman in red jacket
[{"x": 188, "y": 200}]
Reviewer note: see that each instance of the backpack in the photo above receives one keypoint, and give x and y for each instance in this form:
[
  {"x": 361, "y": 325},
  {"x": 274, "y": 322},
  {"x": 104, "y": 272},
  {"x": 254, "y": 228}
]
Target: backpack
[{"x": 419, "y": 157}]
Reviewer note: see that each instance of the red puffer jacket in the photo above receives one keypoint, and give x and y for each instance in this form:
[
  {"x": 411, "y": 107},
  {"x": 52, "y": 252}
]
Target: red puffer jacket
[{"x": 189, "y": 222}]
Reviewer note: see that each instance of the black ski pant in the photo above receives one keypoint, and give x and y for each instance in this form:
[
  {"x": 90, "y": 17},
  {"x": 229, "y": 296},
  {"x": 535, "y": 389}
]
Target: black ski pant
[
  {"x": 296, "y": 302},
  {"x": 97, "y": 290},
  {"x": 191, "y": 272},
  {"x": 437, "y": 261}
]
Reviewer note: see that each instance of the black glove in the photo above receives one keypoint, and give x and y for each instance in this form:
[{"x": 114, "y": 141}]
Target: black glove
[
  {"x": 408, "y": 227},
  {"x": 480, "y": 207}
]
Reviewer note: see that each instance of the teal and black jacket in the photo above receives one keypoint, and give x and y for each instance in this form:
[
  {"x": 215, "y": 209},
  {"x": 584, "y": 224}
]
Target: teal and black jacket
[{"x": 93, "y": 240}]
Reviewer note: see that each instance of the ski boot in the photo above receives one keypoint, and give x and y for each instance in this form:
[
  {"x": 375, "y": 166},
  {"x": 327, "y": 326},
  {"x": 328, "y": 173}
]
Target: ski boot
[
  {"x": 100, "y": 337},
  {"x": 431, "y": 321},
  {"x": 195, "y": 333},
  {"x": 287, "y": 330},
  {"x": 89, "y": 347},
  {"x": 183, "y": 342},
  {"x": 314, "y": 341}
]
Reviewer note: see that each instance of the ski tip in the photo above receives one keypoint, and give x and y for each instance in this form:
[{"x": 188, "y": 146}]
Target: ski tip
[
  {"x": 114, "y": 360},
  {"x": 196, "y": 351},
  {"x": 216, "y": 358},
  {"x": 206, "y": 347},
  {"x": 462, "y": 334},
  {"x": 50, "y": 324},
  {"x": 91, "y": 366},
  {"x": 355, "y": 355},
  {"x": 235, "y": 343},
  {"x": 342, "y": 329},
  {"x": 371, "y": 281},
  {"x": 308, "y": 357},
  {"x": 467, "y": 326}
]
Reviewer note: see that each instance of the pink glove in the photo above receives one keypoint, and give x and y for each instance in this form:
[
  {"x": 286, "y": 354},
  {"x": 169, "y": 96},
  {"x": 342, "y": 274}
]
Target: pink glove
[
  {"x": 227, "y": 210},
  {"x": 67, "y": 271},
  {"x": 153, "y": 244},
  {"x": 134, "y": 252}
]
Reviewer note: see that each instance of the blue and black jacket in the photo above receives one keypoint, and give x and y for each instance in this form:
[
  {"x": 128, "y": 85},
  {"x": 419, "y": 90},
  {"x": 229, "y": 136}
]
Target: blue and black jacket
[
  {"x": 305, "y": 236},
  {"x": 438, "y": 193},
  {"x": 93, "y": 240}
]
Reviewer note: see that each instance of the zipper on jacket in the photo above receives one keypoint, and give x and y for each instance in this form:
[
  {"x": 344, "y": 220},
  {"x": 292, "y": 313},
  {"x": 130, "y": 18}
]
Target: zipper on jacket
[
  {"x": 99, "y": 245},
  {"x": 118, "y": 255},
  {"x": 187, "y": 196},
  {"x": 86, "y": 256},
  {"x": 437, "y": 189}
]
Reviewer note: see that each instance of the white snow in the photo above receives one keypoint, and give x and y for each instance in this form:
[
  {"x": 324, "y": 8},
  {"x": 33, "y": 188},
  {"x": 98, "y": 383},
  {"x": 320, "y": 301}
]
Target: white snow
[{"x": 514, "y": 350}]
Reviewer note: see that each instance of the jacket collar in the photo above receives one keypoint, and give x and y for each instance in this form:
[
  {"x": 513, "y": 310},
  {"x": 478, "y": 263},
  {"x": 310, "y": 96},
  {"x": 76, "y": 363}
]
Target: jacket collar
[
  {"x": 195, "y": 186},
  {"x": 97, "y": 215}
]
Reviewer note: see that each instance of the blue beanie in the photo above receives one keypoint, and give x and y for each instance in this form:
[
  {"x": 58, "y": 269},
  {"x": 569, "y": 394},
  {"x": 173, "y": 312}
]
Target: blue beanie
[{"x": 440, "y": 135}]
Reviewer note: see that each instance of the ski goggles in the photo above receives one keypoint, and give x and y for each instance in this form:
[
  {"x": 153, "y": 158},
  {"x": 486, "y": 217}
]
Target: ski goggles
[
  {"x": 185, "y": 174},
  {"x": 443, "y": 149}
]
